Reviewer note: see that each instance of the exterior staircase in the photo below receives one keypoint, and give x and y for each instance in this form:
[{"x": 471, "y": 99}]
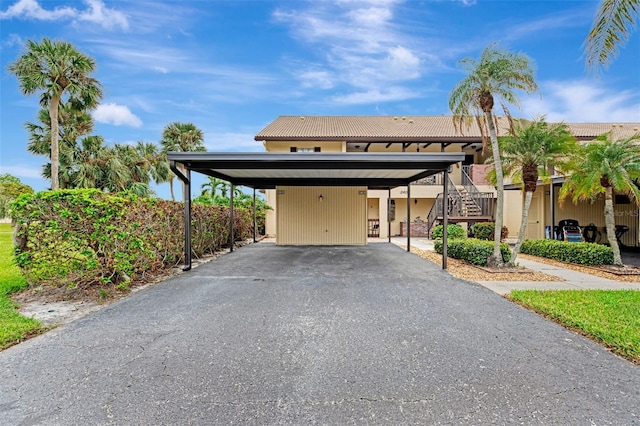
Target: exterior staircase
[
  {"x": 465, "y": 204},
  {"x": 469, "y": 206}
]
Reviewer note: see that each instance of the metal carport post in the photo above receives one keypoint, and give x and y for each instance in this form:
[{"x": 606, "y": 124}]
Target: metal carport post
[{"x": 186, "y": 196}]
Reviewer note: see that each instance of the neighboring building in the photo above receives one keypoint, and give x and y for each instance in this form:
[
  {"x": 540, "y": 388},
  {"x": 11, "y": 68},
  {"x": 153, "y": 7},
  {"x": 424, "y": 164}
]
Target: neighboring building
[{"x": 471, "y": 197}]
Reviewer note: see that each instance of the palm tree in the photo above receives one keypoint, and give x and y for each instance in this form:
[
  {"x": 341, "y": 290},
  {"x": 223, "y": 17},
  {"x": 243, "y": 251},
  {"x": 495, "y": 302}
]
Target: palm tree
[
  {"x": 527, "y": 154},
  {"x": 99, "y": 166},
  {"x": 56, "y": 68},
  {"x": 602, "y": 167},
  {"x": 612, "y": 26},
  {"x": 73, "y": 124},
  {"x": 147, "y": 163},
  {"x": 181, "y": 137},
  {"x": 211, "y": 187},
  {"x": 497, "y": 74}
]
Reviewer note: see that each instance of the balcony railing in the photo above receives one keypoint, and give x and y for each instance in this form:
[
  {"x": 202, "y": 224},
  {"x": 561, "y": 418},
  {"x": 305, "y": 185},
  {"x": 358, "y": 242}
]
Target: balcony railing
[{"x": 429, "y": 180}]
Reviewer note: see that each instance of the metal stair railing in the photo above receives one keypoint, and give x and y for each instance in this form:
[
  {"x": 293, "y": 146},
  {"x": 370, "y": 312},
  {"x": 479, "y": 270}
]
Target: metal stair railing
[
  {"x": 454, "y": 207},
  {"x": 436, "y": 210},
  {"x": 483, "y": 200}
]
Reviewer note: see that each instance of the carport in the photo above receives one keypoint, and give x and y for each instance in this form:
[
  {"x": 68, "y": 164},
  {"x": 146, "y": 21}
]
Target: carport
[{"x": 268, "y": 170}]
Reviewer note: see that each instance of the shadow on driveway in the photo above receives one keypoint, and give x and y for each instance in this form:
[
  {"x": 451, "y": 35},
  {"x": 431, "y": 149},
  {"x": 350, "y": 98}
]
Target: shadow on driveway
[{"x": 330, "y": 335}]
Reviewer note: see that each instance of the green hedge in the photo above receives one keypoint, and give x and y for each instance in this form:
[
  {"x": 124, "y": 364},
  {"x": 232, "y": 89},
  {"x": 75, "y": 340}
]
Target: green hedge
[
  {"x": 472, "y": 250},
  {"x": 454, "y": 232},
  {"x": 86, "y": 237},
  {"x": 564, "y": 251},
  {"x": 485, "y": 230}
]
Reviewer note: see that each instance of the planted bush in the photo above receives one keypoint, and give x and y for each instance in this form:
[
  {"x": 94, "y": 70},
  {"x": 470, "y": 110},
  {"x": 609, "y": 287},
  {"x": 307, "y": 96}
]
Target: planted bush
[
  {"x": 85, "y": 237},
  {"x": 454, "y": 232},
  {"x": 564, "y": 251},
  {"x": 485, "y": 230},
  {"x": 472, "y": 250}
]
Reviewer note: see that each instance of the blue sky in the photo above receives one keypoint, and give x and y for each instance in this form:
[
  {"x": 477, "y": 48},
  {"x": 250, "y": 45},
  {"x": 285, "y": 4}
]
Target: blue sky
[{"x": 231, "y": 67}]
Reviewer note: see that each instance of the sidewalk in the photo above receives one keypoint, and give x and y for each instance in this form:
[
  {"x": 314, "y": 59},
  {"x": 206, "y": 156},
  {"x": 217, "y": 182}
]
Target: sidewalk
[{"x": 574, "y": 280}]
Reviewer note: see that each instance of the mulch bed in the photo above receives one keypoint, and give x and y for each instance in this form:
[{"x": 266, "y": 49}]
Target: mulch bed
[
  {"x": 626, "y": 273},
  {"x": 618, "y": 270}
]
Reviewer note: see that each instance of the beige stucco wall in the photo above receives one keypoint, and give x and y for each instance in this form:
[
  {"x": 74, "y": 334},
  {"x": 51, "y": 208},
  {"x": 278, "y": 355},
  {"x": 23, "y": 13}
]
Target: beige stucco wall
[
  {"x": 270, "y": 219},
  {"x": 593, "y": 212},
  {"x": 340, "y": 218},
  {"x": 512, "y": 213},
  {"x": 584, "y": 212},
  {"x": 324, "y": 146}
]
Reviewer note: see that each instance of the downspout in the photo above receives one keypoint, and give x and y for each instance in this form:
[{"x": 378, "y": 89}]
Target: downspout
[{"x": 186, "y": 195}]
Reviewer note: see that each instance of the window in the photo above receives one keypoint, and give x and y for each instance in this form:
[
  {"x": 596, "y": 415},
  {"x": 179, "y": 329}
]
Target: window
[{"x": 296, "y": 149}]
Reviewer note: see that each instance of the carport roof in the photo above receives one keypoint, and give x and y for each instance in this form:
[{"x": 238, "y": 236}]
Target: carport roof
[{"x": 266, "y": 170}]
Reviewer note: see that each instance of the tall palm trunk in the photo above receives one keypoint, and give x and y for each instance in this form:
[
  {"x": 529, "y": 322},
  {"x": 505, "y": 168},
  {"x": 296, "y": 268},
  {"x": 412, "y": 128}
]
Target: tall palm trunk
[
  {"x": 496, "y": 259},
  {"x": 528, "y": 195},
  {"x": 55, "y": 152},
  {"x": 610, "y": 224}
]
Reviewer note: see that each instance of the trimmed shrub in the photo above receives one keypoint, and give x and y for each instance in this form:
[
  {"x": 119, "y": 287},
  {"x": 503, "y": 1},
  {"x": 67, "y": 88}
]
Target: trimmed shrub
[
  {"x": 454, "y": 232},
  {"x": 472, "y": 250},
  {"x": 564, "y": 251},
  {"x": 485, "y": 230},
  {"x": 85, "y": 237}
]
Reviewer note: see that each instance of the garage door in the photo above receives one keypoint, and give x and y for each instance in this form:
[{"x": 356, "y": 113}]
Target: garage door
[{"x": 321, "y": 215}]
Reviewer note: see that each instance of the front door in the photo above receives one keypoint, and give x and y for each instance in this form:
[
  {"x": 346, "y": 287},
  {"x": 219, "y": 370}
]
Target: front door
[{"x": 535, "y": 228}]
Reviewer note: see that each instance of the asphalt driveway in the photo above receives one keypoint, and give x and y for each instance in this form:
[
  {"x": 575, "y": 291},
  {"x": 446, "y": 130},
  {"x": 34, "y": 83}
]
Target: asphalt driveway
[{"x": 315, "y": 335}]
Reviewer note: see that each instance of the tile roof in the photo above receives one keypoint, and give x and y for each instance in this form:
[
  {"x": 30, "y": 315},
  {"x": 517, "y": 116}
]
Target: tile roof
[{"x": 402, "y": 128}]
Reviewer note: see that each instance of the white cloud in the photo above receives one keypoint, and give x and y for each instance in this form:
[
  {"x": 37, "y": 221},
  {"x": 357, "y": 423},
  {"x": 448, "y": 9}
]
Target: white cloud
[
  {"x": 403, "y": 63},
  {"x": 21, "y": 171},
  {"x": 143, "y": 56},
  {"x": 365, "y": 48},
  {"x": 12, "y": 40},
  {"x": 108, "y": 18},
  {"x": 30, "y": 9},
  {"x": 547, "y": 25},
  {"x": 316, "y": 79},
  {"x": 118, "y": 115},
  {"x": 374, "y": 96},
  {"x": 96, "y": 12},
  {"x": 370, "y": 17},
  {"x": 583, "y": 101}
]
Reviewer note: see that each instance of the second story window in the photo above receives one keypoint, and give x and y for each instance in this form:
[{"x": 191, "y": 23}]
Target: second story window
[{"x": 314, "y": 149}]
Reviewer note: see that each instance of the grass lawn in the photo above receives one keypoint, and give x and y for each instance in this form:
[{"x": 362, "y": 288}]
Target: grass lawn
[
  {"x": 13, "y": 326},
  {"x": 611, "y": 317}
]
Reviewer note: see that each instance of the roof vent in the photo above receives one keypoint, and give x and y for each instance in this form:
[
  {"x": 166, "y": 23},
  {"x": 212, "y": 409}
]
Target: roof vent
[
  {"x": 301, "y": 118},
  {"x": 410, "y": 121},
  {"x": 395, "y": 118},
  {"x": 404, "y": 118}
]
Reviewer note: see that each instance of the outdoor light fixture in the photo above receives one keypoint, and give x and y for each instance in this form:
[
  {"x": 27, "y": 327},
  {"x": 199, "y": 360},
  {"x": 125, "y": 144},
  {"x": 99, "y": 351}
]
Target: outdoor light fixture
[
  {"x": 415, "y": 201},
  {"x": 321, "y": 198}
]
